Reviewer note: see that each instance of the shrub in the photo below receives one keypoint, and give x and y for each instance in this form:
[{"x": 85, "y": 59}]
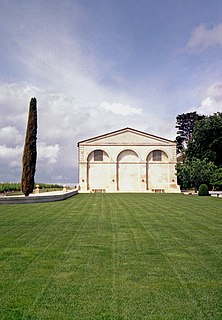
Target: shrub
[{"x": 203, "y": 190}]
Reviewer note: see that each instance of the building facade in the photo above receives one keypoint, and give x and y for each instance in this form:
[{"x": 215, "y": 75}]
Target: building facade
[{"x": 127, "y": 160}]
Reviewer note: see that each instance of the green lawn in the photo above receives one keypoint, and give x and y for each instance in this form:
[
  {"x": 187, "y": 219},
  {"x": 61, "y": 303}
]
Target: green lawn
[{"x": 112, "y": 256}]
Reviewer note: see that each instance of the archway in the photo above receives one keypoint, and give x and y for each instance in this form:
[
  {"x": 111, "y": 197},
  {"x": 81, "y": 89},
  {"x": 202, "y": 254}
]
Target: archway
[
  {"x": 98, "y": 173},
  {"x": 128, "y": 171},
  {"x": 156, "y": 170}
]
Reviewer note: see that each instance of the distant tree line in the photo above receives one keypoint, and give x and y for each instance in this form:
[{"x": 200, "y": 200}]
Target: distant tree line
[
  {"x": 6, "y": 187},
  {"x": 9, "y": 187},
  {"x": 199, "y": 150}
]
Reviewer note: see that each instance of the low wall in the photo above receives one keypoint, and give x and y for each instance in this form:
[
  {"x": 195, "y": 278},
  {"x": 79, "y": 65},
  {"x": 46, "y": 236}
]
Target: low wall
[
  {"x": 216, "y": 193},
  {"x": 38, "y": 198}
]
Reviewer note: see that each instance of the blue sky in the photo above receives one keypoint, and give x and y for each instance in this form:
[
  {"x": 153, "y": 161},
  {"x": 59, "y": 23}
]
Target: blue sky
[{"x": 98, "y": 66}]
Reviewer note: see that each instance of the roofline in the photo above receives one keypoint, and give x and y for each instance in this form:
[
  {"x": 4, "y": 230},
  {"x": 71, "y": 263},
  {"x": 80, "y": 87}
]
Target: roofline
[{"x": 126, "y": 128}]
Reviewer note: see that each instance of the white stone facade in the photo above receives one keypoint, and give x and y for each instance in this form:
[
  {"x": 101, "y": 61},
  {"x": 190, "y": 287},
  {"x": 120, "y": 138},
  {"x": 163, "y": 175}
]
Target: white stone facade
[{"x": 127, "y": 160}]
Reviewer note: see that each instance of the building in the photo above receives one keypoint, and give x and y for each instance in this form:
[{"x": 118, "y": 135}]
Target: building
[{"x": 127, "y": 160}]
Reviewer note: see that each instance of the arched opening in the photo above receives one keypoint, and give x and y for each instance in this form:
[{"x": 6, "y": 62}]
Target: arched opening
[
  {"x": 98, "y": 177},
  {"x": 157, "y": 155},
  {"x": 156, "y": 170},
  {"x": 128, "y": 171}
]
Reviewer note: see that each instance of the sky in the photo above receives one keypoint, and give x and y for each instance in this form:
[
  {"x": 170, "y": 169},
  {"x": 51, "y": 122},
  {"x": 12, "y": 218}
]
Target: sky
[{"x": 96, "y": 66}]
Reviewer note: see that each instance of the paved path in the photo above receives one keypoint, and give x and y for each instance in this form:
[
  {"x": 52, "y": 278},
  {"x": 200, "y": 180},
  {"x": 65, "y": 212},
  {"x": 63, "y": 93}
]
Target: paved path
[{"x": 38, "y": 197}]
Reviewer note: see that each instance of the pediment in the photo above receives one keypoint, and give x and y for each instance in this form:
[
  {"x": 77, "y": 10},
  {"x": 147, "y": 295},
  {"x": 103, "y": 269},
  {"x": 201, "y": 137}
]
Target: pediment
[{"x": 127, "y": 136}]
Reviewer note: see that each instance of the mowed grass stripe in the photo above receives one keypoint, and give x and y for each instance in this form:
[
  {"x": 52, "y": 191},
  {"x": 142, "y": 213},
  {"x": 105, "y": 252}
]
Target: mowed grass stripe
[
  {"x": 155, "y": 254},
  {"x": 38, "y": 258},
  {"x": 185, "y": 260},
  {"x": 112, "y": 256},
  {"x": 131, "y": 267},
  {"x": 78, "y": 269}
]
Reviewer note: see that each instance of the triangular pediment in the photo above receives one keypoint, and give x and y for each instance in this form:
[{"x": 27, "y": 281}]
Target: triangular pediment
[{"x": 126, "y": 136}]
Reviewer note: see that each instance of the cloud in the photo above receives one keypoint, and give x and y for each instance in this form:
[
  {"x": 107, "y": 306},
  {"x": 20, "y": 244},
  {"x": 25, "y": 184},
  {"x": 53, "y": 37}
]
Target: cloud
[
  {"x": 10, "y": 136},
  {"x": 62, "y": 122},
  {"x": 211, "y": 100},
  {"x": 14, "y": 101},
  {"x": 48, "y": 154},
  {"x": 119, "y": 108},
  {"x": 10, "y": 156},
  {"x": 203, "y": 38},
  {"x": 80, "y": 92}
]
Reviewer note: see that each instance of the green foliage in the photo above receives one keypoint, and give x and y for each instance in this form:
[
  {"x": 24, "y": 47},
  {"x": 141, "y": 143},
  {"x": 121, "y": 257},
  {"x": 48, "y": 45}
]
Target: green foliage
[
  {"x": 203, "y": 190},
  {"x": 183, "y": 175},
  {"x": 195, "y": 172},
  {"x": 30, "y": 151},
  {"x": 9, "y": 187},
  {"x": 6, "y": 187},
  {"x": 202, "y": 157},
  {"x": 112, "y": 256},
  {"x": 49, "y": 185},
  {"x": 185, "y": 123},
  {"x": 206, "y": 142},
  {"x": 217, "y": 179}
]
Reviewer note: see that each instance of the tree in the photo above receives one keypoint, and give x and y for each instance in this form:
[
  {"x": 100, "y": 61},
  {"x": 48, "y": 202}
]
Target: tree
[
  {"x": 30, "y": 152},
  {"x": 183, "y": 175},
  {"x": 217, "y": 179},
  {"x": 185, "y": 124},
  {"x": 206, "y": 142},
  {"x": 195, "y": 172}
]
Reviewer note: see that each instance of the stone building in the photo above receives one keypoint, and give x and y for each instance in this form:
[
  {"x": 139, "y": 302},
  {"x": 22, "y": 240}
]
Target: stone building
[{"x": 127, "y": 160}]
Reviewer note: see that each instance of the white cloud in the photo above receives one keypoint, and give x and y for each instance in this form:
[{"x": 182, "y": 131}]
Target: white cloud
[
  {"x": 119, "y": 108},
  {"x": 202, "y": 38},
  {"x": 10, "y": 135},
  {"x": 211, "y": 100},
  {"x": 14, "y": 101},
  {"x": 215, "y": 91},
  {"x": 72, "y": 100},
  {"x": 61, "y": 124},
  {"x": 48, "y": 153},
  {"x": 10, "y": 156}
]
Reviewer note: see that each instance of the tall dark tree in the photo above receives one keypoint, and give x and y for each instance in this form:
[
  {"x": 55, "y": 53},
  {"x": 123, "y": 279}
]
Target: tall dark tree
[
  {"x": 30, "y": 151},
  {"x": 185, "y": 124},
  {"x": 206, "y": 142}
]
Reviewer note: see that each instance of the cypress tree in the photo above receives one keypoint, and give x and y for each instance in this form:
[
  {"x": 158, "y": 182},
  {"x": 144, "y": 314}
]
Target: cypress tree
[{"x": 30, "y": 150}]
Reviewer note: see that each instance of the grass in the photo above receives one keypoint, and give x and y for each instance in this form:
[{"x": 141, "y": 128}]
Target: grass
[{"x": 112, "y": 256}]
